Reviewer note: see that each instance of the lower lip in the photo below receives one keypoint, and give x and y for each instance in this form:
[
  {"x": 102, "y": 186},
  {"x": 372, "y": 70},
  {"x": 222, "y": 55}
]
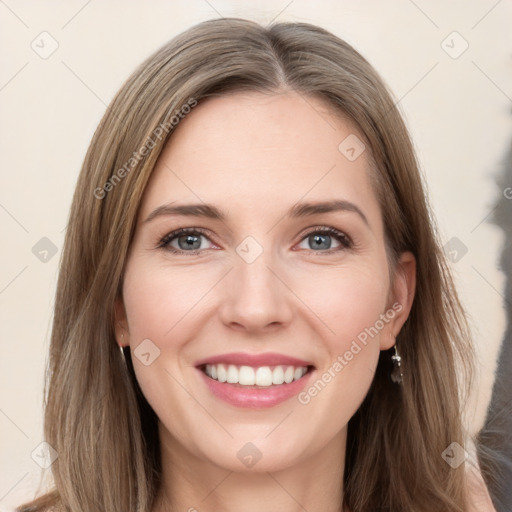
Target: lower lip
[{"x": 255, "y": 398}]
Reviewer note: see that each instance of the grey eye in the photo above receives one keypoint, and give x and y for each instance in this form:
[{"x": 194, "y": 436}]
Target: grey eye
[
  {"x": 319, "y": 241},
  {"x": 189, "y": 241}
]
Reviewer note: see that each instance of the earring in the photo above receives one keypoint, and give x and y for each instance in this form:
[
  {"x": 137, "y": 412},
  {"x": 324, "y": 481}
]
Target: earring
[
  {"x": 396, "y": 373},
  {"x": 121, "y": 344},
  {"x": 121, "y": 348}
]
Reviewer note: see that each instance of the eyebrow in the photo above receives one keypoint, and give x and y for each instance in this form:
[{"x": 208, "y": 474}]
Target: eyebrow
[{"x": 297, "y": 211}]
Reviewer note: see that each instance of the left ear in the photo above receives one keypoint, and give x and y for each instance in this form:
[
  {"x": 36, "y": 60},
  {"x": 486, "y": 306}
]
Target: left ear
[{"x": 402, "y": 290}]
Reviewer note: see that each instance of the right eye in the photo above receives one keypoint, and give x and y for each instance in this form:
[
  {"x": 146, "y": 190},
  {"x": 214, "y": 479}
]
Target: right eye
[{"x": 187, "y": 240}]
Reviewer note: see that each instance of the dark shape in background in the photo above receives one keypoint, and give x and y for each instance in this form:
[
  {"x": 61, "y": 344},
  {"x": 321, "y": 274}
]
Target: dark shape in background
[{"x": 495, "y": 439}]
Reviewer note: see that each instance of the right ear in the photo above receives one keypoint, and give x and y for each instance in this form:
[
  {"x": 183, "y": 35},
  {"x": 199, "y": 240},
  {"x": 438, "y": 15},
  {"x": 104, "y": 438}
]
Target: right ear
[{"x": 121, "y": 323}]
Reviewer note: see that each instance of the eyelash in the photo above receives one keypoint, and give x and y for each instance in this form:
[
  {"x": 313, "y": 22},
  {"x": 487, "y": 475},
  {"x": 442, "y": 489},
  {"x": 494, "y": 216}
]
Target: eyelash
[{"x": 345, "y": 241}]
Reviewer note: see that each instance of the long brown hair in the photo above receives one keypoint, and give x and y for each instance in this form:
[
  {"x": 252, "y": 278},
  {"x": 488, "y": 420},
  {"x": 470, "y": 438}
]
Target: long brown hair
[{"x": 108, "y": 457}]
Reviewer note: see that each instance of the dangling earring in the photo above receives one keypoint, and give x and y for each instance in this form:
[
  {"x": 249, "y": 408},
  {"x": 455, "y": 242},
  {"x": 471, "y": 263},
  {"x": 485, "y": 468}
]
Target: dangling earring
[
  {"x": 396, "y": 373},
  {"x": 121, "y": 347}
]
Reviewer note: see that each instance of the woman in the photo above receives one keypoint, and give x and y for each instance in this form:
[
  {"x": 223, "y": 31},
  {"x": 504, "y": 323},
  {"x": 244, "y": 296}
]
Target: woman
[{"x": 250, "y": 227}]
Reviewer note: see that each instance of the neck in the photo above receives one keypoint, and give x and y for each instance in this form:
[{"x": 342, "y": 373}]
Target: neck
[{"x": 195, "y": 484}]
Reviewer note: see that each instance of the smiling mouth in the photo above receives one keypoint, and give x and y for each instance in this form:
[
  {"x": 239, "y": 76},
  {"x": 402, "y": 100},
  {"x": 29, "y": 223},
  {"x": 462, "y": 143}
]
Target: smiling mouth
[{"x": 255, "y": 377}]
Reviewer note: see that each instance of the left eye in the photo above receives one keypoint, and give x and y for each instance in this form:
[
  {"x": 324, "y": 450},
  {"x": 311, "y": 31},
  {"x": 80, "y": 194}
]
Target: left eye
[{"x": 321, "y": 238}]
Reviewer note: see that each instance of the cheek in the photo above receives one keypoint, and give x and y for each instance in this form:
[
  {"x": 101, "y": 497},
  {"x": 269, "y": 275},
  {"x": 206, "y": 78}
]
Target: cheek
[
  {"x": 351, "y": 348},
  {"x": 348, "y": 300},
  {"x": 162, "y": 306},
  {"x": 349, "y": 305},
  {"x": 158, "y": 300}
]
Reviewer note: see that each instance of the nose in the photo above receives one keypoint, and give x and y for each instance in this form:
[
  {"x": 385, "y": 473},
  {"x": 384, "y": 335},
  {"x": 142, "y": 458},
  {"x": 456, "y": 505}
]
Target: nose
[{"x": 255, "y": 297}]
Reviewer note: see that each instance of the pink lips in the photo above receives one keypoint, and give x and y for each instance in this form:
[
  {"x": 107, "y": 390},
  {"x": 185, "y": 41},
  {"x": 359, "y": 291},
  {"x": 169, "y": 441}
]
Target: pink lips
[{"x": 254, "y": 397}]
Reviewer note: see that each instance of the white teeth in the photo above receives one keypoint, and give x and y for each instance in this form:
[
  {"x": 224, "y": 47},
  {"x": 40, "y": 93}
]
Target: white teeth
[
  {"x": 288, "y": 374},
  {"x": 246, "y": 376},
  {"x": 232, "y": 374},
  {"x": 297, "y": 374},
  {"x": 249, "y": 376},
  {"x": 278, "y": 375},
  {"x": 264, "y": 376},
  {"x": 222, "y": 374}
]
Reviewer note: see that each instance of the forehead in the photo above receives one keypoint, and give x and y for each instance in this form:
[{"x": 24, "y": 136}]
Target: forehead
[{"x": 260, "y": 153}]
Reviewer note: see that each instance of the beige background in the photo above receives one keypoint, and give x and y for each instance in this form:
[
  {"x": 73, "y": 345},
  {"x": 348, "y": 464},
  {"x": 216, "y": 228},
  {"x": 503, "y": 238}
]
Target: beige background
[{"x": 458, "y": 110}]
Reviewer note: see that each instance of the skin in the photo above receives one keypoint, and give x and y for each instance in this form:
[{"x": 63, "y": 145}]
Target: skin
[{"x": 255, "y": 156}]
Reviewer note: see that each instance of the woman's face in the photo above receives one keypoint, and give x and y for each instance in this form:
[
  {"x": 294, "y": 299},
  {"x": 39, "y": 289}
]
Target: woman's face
[{"x": 283, "y": 266}]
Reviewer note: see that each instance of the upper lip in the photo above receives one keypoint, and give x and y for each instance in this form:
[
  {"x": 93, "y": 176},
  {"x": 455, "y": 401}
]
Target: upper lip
[{"x": 254, "y": 360}]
